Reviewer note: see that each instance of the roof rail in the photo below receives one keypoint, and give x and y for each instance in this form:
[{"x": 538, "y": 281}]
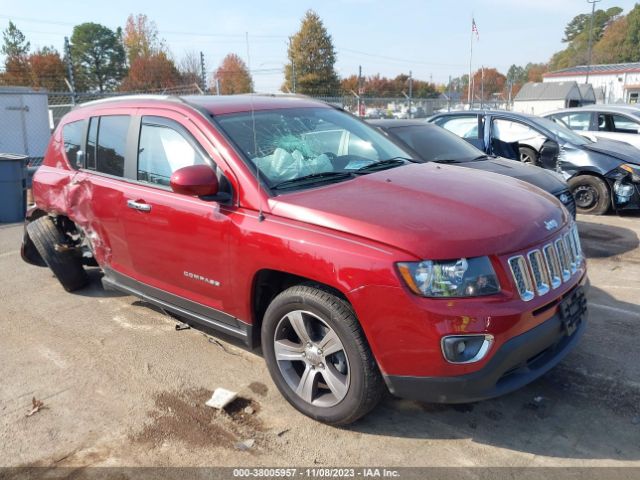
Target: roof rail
[{"x": 120, "y": 98}]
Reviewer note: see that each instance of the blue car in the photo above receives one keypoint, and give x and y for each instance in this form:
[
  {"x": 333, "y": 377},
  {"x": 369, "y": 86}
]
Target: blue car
[{"x": 602, "y": 174}]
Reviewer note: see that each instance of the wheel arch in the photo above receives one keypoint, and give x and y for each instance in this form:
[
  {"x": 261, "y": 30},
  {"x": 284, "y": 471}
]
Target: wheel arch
[{"x": 268, "y": 283}]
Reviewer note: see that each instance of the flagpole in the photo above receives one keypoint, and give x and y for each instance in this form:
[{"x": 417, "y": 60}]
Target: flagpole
[{"x": 470, "y": 86}]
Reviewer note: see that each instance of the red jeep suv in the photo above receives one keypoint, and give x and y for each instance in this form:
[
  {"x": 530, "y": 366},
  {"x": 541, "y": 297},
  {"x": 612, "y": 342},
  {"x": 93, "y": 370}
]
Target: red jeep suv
[{"x": 292, "y": 225}]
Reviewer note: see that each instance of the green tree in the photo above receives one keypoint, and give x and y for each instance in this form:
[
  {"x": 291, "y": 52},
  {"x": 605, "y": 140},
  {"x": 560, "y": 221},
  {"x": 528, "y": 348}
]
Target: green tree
[
  {"x": 311, "y": 51},
  {"x": 577, "y": 37},
  {"x": 631, "y": 44},
  {"x": 98, "y": 57},
  {"x": 516, "y": 75},
  {"x": 15, "y": 47},
  {"x": 15, "y": 43},
  {"x": 232, "y": 76}
]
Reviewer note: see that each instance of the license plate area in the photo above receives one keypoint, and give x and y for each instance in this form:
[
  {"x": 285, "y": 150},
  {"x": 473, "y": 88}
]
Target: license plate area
[{"x": 571, "y": 309}]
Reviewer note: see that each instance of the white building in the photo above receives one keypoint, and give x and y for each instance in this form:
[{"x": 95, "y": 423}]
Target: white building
[
  {"x": 619, "y": 82},
  {"x": 538, "y": 98}
]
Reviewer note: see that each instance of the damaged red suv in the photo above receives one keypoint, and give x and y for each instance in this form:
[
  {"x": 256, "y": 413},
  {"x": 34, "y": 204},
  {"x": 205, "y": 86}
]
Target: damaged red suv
[{"x": 291, "y": 225}]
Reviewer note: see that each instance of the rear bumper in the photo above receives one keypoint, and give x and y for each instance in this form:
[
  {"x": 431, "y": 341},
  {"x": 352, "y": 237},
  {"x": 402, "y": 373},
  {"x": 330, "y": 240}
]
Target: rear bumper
[{"x": 518, "y": 362}]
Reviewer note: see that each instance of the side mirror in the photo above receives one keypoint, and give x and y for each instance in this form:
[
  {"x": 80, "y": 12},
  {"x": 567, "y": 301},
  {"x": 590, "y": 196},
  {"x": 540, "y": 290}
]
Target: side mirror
[
  {"x": 549, "y": 152},
  {"x": 195, "y": 180}
]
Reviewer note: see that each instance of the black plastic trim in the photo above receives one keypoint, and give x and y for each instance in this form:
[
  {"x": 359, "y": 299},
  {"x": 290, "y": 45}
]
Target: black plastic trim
[
  {"x": 193, "y": 311},
  {"x": 518, "y": 362}
]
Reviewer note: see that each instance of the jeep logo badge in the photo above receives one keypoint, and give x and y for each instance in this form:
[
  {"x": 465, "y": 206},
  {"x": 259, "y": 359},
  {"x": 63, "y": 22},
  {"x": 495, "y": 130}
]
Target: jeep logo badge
[{"x": 550, "y": 224}]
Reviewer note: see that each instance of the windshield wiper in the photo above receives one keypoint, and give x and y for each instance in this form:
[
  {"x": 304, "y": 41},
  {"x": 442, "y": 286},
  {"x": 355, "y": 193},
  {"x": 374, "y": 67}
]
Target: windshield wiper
[
  {"x": 311, "y": 179},
  {"x": 383, "y": 164}
]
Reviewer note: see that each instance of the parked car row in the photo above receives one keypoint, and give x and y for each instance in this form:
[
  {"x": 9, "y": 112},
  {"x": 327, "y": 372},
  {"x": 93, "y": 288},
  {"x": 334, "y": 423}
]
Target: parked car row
[
  {"x": 289, "y": 224},
  {"x": 434, "y": 144},
  {"x": 602, "y": 174}
]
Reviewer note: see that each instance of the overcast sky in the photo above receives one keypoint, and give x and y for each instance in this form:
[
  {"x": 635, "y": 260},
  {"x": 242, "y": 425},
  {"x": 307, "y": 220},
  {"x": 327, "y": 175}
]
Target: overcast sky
[{"x": 429, "y": 37}]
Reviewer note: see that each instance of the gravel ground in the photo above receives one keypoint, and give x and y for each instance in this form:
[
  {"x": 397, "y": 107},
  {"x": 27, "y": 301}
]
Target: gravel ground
[{"x": 121, "y": 387}]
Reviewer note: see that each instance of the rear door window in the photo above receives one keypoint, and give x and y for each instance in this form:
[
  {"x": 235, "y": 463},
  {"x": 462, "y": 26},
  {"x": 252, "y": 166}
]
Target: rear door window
[
  {"x": 111, "y": 144},
  {"x": 623, "y": 124},
  {"x": 576, "y": 121},
  {"x": 465, "y": 126}
]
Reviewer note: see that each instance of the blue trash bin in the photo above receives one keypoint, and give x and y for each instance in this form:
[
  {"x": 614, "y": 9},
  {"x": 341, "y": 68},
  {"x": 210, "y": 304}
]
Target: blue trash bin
[{"x": 13, "y": 193}]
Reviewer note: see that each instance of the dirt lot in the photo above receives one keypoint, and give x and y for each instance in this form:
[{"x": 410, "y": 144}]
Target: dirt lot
[{"x": 121, "y": 387}]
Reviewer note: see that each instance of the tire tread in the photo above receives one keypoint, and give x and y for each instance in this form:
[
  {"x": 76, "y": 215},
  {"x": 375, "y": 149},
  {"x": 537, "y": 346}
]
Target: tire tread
[{"x": 66, "y": 266}]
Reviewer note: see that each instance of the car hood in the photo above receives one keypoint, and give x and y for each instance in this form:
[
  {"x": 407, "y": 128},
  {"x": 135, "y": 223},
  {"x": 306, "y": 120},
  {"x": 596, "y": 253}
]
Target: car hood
[
  {"x": 431, "y": 211},
  {"x": 541, "y": 178},
  {"x": 620, "y": 150}
]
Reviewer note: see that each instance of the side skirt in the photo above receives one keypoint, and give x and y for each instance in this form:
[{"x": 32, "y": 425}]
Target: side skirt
[{"x": 193, "y": 312}]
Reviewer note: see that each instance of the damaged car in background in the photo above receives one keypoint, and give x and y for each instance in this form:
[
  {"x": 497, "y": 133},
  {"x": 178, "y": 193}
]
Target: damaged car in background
[
  {"x": 356, "y": 268},
  {"x": 602, "y": 174}
]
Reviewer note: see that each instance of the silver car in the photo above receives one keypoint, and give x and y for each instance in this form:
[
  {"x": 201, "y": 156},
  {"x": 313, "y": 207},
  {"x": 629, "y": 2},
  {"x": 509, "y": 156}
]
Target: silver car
[{"x": 615, "y": 122}]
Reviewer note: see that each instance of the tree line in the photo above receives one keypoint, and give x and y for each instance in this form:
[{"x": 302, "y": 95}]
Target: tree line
[
  {"x": 104, "y": 60},
  {"x": 135, "y": 58}
]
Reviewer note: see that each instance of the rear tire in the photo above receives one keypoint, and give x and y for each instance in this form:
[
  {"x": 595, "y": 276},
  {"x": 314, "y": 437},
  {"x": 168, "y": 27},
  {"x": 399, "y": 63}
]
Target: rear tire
[
  {"x": 65, "y": 265},
  {"x": 320, "y": 345},
  {"x": 528, "y": 156},
  {"x": 591, "y": 194}
]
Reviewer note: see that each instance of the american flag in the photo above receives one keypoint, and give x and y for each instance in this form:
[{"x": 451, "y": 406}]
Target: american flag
[{"x": 474, "y": 28}]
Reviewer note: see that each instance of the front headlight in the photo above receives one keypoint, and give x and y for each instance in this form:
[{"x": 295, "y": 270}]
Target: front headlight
[
  {"x": 634, "y": 170},
  {"x": 466, "y": 277}
]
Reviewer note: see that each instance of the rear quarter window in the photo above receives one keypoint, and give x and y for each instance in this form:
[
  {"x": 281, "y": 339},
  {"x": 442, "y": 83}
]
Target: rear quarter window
[{"x": 72, "y": 138}]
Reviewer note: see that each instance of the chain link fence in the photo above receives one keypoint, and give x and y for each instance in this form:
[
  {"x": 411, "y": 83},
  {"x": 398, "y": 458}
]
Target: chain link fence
[{"x": 28, "y": 115}]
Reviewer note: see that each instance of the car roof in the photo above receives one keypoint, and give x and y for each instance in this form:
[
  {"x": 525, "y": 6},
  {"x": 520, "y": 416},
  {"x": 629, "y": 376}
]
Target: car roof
[
  {"x": 505, "y": 113},
  {"x": 393, "y": 123},
  {"x": 598, "y": 108},
  {"x": 213, "y": 104}
]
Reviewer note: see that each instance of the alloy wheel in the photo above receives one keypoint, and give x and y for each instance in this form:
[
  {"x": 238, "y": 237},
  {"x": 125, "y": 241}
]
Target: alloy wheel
[{"x": 311, "y": 358}]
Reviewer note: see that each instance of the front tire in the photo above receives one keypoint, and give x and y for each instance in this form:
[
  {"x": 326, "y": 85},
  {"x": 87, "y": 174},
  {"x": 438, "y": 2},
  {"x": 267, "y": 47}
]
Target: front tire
[
  {"x": 591, "y": 194},
  {"x": 318, "y": 356},
  {"x": 66, "y": 265}
]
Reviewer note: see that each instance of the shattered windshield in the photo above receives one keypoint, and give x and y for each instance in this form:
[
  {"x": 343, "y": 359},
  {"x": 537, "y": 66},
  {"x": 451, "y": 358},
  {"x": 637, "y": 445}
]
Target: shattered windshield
[{"x": 319, "y": 144}]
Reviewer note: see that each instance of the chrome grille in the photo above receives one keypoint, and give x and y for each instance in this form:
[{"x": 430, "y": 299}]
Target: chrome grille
[
  {"x": 521, "y": 275},
  {"x": 573, "y": 256},
  {"x": 576, "y": 242},
  {"x": 551, "y": 258},
  {"x": 539, "y": 271},
  {"x": 563, "y": 256},
  {"x": 547, "y": 268}
]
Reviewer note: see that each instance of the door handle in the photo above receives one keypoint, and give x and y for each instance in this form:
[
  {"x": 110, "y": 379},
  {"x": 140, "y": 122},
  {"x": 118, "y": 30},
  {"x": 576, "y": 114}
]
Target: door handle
[{"x": 143, "y": 207}]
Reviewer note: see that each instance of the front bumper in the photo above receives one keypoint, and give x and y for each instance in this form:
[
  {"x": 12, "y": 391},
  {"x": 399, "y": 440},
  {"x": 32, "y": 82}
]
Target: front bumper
[{"x": 516, "y": 363}]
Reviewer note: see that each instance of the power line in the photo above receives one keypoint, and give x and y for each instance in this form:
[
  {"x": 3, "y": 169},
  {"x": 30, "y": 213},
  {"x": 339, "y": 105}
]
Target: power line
[{"x": 163, "y": 32}]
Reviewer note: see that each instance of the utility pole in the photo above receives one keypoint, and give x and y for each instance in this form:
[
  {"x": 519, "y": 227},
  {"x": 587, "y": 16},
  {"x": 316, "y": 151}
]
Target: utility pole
[
  {"x": 360, "y": 90},
  {"x": 449, "y": 100},
  {"x": 203, "y": 73},
  {"x": 593, "y": 11},
  {"x": 72, "y": 81},
  {"x": 293, "y": 69},
  {"x": 482, "y": 88},
  {"x": 410, "y": 93},
  {"x": 293, "y": 76}
]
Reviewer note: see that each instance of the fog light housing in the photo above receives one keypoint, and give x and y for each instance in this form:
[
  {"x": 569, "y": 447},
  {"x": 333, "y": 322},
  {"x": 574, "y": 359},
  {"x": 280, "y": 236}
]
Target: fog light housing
[
  {"x": 623, "y": 191},
  {"x": 465, "y": 348}
]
